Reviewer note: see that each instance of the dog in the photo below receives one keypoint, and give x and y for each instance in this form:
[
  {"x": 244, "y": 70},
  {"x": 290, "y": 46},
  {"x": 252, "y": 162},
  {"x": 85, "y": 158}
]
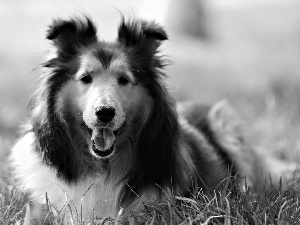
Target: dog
[{"x": 105, "y": 138}]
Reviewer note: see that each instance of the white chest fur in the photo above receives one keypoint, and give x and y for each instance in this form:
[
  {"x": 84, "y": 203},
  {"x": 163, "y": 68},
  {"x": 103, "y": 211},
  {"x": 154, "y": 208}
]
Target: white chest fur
[{"x": 89, "y": 198}]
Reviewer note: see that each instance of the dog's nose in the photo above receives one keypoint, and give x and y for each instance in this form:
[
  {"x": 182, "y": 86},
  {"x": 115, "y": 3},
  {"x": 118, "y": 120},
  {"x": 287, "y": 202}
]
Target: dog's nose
[{"x": 106, "y": 114}]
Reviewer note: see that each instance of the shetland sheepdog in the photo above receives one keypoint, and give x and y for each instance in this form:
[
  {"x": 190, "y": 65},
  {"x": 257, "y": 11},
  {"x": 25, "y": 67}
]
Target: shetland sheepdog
[{"x": 105, "y": 137}]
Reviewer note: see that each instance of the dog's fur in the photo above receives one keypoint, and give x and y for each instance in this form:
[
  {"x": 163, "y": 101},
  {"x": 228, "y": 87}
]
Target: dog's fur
[{"x": 154, "y": 149}]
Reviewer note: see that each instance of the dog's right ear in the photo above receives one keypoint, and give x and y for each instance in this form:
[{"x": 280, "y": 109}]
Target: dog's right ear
[
  {"x": 69, "y": 36},
  {"x": 134, "y": 32}
]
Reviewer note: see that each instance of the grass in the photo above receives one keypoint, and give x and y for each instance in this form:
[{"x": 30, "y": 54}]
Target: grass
[
  {"x": 268, "y": 206},
  {"x": 12, "y": 203},
  {"x": 273, "y": 205}
]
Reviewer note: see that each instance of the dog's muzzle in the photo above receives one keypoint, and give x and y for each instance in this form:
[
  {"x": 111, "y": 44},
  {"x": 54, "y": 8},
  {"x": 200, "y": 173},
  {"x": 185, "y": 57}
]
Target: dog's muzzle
[{"x": 103, "y": 130}]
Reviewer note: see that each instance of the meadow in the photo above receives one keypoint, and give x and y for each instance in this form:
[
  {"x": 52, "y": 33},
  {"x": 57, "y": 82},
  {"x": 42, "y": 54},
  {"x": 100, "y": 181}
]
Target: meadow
[{"x": 250, "y": 56}]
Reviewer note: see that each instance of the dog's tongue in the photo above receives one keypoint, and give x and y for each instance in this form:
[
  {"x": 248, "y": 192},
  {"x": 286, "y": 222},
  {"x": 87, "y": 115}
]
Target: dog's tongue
[{"x": 103, "y": 138}]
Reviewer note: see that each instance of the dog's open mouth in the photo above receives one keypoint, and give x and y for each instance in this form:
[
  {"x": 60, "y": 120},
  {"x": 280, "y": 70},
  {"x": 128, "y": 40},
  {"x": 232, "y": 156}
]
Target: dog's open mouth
[{"x": 103, "y": 140}]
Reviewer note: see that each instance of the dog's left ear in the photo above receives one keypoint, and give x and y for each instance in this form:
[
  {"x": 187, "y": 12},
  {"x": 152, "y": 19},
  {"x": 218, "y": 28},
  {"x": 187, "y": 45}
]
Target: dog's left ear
[
  {"x": 138, "y": 31},
  {"x": 69, "y": 36}
]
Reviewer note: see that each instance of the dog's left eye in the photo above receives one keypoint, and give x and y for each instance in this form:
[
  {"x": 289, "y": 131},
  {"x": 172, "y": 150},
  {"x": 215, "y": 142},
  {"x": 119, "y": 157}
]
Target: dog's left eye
[
  {"x": 123, "y": 80},
  {"x": 86, "y": 79}
]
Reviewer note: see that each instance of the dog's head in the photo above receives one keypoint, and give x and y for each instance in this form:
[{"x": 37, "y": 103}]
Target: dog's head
[
  {"x": 111, "y": 92},
  {"x": 106, "y": 88}
]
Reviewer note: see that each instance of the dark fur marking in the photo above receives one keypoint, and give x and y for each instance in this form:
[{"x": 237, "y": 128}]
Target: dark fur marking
[
  {"x": 70, "y": 36},
  {"x": 104, "y": 55},
  {"x": 136, "y": 32},
  {"x": 156, "y": 148},
  {"x": 53, "y": 134}
]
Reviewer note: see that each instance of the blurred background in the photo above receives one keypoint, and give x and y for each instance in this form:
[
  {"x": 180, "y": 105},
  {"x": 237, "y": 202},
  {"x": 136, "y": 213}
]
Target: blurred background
[{"x": 245, "y": 51}]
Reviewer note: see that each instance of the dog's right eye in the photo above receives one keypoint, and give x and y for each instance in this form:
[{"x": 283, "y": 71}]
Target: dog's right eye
[{"x": 87, "y": 79}]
